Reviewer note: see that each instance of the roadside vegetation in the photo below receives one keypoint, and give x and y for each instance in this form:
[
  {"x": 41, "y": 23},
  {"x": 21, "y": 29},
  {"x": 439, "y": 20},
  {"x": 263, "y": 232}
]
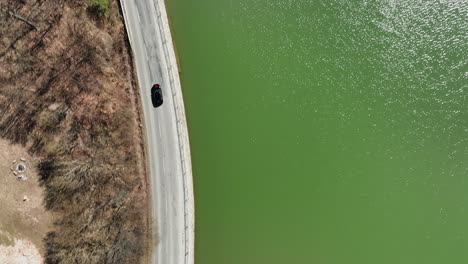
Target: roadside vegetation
[
  {"x": 67, "y": 95},
  {"x": 99, "y": 7}
]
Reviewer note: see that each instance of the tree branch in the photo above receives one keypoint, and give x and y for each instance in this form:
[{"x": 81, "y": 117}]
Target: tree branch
[{"x": 21, "y": 18}]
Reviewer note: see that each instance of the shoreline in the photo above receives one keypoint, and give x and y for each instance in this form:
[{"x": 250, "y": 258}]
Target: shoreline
[
  {"x": 181, "y": 123},
  {"x": 184, "y": 145}
]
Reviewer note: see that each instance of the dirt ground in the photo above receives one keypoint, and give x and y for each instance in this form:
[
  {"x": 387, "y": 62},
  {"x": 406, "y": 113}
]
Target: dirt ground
[{"x": 24, "y": 221}]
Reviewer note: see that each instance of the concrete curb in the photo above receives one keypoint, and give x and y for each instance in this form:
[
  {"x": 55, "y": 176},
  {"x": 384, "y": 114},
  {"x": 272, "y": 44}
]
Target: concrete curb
[
  {"x": 182, "y": 131},
  {"x": 184, "y": 145}
]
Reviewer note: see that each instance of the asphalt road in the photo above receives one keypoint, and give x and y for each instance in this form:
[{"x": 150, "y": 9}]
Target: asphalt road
[{"x": 170, "y": 197}]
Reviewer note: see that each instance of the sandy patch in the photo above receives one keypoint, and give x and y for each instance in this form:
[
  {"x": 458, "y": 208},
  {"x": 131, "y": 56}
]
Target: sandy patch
[
  {"x": 23, "y": 252},
  {"x": 24, "y": 221}
]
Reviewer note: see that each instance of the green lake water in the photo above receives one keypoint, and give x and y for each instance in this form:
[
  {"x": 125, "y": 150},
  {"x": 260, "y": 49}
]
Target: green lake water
[{"x": 327, "y": 131}]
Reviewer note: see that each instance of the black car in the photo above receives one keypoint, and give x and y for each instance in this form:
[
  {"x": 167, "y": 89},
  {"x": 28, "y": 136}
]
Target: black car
[{"x": 156, "y": 95}]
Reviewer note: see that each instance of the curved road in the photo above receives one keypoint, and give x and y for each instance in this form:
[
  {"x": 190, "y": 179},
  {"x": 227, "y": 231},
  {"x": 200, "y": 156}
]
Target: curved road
[{"x": 168, "y": 152}]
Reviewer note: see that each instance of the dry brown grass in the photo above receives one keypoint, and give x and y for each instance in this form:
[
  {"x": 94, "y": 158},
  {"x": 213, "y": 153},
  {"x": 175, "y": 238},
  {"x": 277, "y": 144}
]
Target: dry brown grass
[{"x": 66, "y": 94}]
